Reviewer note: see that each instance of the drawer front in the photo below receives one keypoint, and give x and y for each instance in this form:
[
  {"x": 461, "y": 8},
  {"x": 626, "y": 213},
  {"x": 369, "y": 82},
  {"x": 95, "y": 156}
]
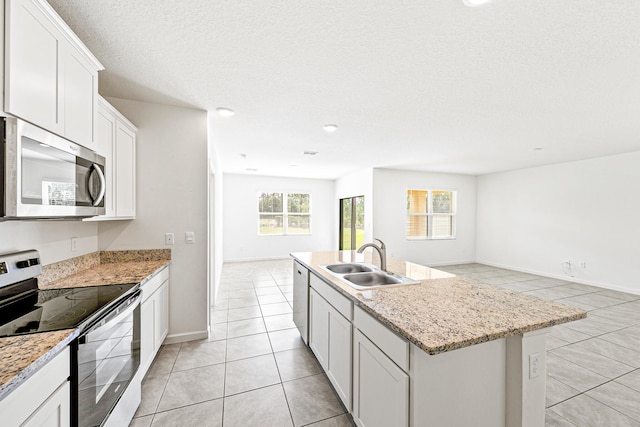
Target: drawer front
[
  {"x": 152, "y": 285},
  {"x": 395, "y": 347},
  {"x": 333, "y": 297}
]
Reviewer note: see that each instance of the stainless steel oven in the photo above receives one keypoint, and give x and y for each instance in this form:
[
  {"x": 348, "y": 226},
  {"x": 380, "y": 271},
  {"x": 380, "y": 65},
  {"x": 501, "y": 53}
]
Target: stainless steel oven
[
  {"x": 108, "y": 357},
  {"x": 45, "y": 176}
]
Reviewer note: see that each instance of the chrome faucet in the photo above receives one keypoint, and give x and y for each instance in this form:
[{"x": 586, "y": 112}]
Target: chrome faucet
[{"x": 382, "y": 251}]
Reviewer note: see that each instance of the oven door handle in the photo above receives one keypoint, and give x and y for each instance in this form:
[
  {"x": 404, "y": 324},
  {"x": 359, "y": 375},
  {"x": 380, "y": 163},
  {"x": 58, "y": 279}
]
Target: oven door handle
[{"x": 112, "y": 317}]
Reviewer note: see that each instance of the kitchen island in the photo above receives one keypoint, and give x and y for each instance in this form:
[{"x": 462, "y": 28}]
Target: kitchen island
[{"x": 448, "y": 351}]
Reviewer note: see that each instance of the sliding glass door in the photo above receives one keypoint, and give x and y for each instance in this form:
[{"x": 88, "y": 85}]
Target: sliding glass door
[{"x": 351, "y": 223}]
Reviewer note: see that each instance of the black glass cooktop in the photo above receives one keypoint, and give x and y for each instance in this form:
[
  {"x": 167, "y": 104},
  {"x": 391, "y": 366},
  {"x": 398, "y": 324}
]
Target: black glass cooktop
[{"x": 55, "y": 309}]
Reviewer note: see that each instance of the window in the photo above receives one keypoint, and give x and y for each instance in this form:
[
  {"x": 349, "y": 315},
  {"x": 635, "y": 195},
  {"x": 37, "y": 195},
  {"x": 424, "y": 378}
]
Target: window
[
  {"x": 431, "y": 214},
  {"x": 284, "y": 214}
]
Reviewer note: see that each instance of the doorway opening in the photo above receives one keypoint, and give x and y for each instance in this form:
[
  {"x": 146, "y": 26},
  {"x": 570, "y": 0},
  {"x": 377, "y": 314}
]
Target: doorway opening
[{"x": 351, "y": 223}]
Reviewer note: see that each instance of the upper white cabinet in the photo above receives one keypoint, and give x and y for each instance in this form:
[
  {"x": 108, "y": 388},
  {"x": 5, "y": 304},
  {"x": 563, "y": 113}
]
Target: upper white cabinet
[
  {"x": 51, "y": 78},
  {"x": 116, "y": 141}
]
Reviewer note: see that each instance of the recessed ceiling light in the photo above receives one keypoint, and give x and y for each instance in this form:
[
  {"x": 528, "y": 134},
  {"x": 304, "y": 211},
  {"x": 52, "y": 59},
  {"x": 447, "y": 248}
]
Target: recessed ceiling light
[
  {"x": 330, "y": 128},
  {"x": 225, "y": 112},
  {"x": 244, "y": 156},
  {"x": 294, "y": 166},
  {"x": 310, "y": 153},
  {"x": 475, "y": 3},
  {"x": 537, "y": 149}
]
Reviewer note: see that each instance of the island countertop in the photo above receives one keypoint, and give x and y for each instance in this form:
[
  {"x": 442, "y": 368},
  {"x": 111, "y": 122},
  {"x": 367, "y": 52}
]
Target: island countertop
[
  {"x": 23, "y": 355},
  {"x": 444, "y": 312}
]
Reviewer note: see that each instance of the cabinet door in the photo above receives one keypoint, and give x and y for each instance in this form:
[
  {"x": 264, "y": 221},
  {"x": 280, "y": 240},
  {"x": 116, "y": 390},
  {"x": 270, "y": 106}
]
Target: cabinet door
[
  {"x": 32, "y": 52},
  {"x": 380, "y": 388},
  {"x": 319, "y": 328},
  {"x": 161, "y": 314},
  {"x": 105, "y": 146},
  {"x": 55, "y": 411},
  {"x": 125, "y": 171},
  {"x": 80, "y": 86},
  {"x": 339, "y": 356}
]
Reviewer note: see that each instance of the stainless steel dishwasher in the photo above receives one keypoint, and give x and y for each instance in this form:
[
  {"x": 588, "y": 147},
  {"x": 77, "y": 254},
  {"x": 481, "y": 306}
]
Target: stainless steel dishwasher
[{"x": 301, "y": 300}]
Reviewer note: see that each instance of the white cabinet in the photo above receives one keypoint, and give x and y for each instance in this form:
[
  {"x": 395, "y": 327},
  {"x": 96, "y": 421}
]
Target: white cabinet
[
  {"x": 44, "y": 399},
  {"x": 380, "y": 387},
  {"x": 116, "y": 141},
  {"x": 154, "y": 317},
  {"x": 125, "y": 170},
  {"x": 55, "y": 412},
  {"x": 51, "y": 78},
  {"x": 330, "y": 340}
]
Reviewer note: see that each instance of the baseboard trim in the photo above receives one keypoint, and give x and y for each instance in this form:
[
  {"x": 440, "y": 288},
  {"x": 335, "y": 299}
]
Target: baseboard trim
[
  {"x": 187, "y": 336},
  {"x": 562, "y": 277}
]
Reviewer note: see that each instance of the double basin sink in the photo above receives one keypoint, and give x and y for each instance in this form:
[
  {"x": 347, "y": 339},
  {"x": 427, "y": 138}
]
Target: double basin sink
[{"x": 366, "y": 276}]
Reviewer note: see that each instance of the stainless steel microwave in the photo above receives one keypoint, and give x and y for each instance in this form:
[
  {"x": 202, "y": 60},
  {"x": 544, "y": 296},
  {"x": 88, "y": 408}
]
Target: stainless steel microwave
[{"x": 46, "y": 176}]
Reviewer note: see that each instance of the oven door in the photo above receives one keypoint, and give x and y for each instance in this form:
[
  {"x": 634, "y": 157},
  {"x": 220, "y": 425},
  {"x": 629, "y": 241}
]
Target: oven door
[{"x": 108, "y": 358}]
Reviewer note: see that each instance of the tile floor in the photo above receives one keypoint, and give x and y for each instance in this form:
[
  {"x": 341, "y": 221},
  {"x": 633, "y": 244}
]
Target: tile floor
[
  {"x": 255, "y": 370},
  {"x": 593, "y": 375}
]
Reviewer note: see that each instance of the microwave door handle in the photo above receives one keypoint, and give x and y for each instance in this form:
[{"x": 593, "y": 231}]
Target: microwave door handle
[{"x": 103, "y": 185}]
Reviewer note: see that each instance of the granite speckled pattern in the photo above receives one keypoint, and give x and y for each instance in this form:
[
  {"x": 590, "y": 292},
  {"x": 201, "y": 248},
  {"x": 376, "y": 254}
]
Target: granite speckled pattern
[
  {"x": 109, "y": 274},
  {"x": 444, "y": 312},
  {"x": 23, "y": 355},
  {"x": 52, "y": 273}
]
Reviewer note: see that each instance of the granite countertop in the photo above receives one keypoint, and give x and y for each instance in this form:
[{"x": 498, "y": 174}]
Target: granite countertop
[
  {"x": 21, "y": 356},
  {"x": 444, "y": 312}
]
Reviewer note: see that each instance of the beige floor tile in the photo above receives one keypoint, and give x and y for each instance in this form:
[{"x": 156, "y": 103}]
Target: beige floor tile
[
  {"x": 265, "y": 407},
  {"x": 195, "y": 354},
  {"x": 250, "y": 374},
  {"x": 202, "y": 414},
  {"x": 276, "y": 323},
  {"x": 245, "y": 327},
  {"x": 297, "y": 363},
  {"x": 312, "y": 399},
  {"x": 193, "y": 386},
  {"x": 248, "y": 346},
  {"x": 285, "y": 339}
]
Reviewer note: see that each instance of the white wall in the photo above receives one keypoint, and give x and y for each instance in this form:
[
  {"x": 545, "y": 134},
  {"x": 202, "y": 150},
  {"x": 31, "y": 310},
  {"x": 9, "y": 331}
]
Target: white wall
[
  {"x": 359, "y": 183},
  {"x": 390, "y": 216},
  {"x": 51, "y": 238},
  {"x": 172, "y": 196},
  {"x": 240, "y": 216},
  {"x": 586, "y": 211}
]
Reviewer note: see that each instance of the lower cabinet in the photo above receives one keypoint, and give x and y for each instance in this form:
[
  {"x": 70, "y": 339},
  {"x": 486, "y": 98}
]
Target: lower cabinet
[
  {"x": 44, "y": 399},
  {"x": 380, "y": 387},
  {"x": 154, "y": 317},
  {"x": 330, "y": 337}
]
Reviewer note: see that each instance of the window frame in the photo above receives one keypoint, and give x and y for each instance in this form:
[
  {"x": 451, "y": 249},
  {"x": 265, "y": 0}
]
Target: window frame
[
  {"x": 285, "y": 213},
  {"x": 430, "y": 214}
]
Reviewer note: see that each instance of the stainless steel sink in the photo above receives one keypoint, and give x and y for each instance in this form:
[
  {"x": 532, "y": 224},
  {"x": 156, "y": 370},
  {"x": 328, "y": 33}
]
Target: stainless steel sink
[
  {"x": 348, "y": 268},
  {"x": 372, "y": 279},
  {"x": 364, "y": 276}
]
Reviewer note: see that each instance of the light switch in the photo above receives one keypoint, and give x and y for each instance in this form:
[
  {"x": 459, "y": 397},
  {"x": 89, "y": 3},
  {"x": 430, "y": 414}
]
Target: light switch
[{"x": 189, "y": 237}]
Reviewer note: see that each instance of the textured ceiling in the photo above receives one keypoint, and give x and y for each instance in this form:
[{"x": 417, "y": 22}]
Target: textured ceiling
[{"x": 422, "y": 85}]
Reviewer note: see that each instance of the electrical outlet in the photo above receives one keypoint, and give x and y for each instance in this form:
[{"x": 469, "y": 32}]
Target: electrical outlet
[
  {"x": 74, "y": 244},
  {"x": 534, "y": 365},
  {"x": 583, "y": 264},
  {"x": 189, "y": 237},
  {"x": 169, "y": 239}
]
